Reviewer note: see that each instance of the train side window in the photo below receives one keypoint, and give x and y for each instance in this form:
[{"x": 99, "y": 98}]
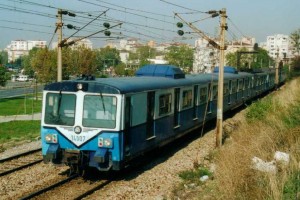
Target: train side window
[
  {"x": 215, "y": 92},
  {"x": 165, "y": 103},
  {"x": 203, "y": 95},
  {"x": 187, "y": 99},
  {"x": 246, "y": 85},
  {"x": 226, "y": 89},
  {"x": 233, "y": 87},
  {"x": 240, "y": 85}
]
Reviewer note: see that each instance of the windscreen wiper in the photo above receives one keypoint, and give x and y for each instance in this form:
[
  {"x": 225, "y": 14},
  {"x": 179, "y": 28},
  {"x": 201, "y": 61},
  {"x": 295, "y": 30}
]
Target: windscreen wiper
[{"x": 103, "y": 105}]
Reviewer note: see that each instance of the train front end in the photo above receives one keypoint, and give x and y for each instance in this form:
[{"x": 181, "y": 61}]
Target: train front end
[{"x": 81, "y": 125}]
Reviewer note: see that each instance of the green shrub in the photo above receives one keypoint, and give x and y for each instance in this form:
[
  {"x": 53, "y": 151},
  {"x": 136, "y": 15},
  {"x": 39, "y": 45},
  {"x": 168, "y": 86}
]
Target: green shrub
[
  {"x": 195, "y": 174},
  {"x": 259, "y": 110},
  {"x": 291, "y": 186},
  {"x": 293, "y": 119}
]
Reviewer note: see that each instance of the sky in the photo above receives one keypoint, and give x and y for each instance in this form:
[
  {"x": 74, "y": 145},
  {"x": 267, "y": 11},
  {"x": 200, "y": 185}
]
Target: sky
[{"x": 145, "y": 19}]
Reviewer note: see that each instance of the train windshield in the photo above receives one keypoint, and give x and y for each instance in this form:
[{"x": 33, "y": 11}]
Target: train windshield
[
  {"x": 99, "y": 111},
  {"x": 60, "y": 109}
]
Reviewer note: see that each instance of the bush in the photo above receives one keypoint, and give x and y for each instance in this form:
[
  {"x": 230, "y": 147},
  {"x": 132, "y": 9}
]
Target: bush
[{"x": 259, "y": 110}]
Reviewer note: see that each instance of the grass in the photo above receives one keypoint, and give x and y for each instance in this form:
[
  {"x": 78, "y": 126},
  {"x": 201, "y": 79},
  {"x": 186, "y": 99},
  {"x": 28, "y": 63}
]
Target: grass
[
  {"x": 20, "y": 105},
  {"x": 259, "y": 110},
  {"x": 194, "y": 175},
  {"x": 270, "y": 124},
  {"x": 18, "y": 131}
]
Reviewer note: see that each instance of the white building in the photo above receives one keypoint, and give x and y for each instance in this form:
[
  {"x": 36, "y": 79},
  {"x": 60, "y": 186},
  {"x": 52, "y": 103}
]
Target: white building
[
  {"x": 280, "y": 44},
  {"x": 18, "y": 48},
  {"x": 205, "y": 57},
  {"x": 130, "y": 44},
  {"x": 244, "y": 43}
]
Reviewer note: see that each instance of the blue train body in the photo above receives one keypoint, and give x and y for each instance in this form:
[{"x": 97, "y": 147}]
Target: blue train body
[{"x": 105, "y": 123}]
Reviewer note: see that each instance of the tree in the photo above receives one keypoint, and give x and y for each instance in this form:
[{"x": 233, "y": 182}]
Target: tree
[
  {"x": 107, "y": 57},
  {"x": 142, "y": 55},
  {"x": 26, "y": 62},
  {"x": 296, "y": 63},
  {"x": 181, "y": 56},
  {"x": 44, "y": 63},
  {"x": 3, "y": 58},
  {"x": 295, "y": 37},
  {"x": 2, "y": 76},
  {"x": 260, "y": 59},
  {"x": 81, "y": 61}
]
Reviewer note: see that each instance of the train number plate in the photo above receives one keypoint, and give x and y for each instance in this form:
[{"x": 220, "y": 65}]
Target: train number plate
[{"x": 77, "y": 138}]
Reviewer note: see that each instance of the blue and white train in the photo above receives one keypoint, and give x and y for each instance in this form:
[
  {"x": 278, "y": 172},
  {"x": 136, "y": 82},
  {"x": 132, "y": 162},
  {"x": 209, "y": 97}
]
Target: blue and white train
[{"x": 105, "y": 123}]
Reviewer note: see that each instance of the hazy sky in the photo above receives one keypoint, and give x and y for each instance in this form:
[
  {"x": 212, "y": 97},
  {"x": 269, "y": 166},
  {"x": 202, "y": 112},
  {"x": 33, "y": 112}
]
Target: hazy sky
[{"x": 146, "y": 19}]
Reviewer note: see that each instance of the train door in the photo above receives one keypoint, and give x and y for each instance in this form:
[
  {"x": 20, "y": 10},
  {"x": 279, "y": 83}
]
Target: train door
[
  {"x": 210, "y": 95},
  {"x": 230, "y": 91},
  {"x": 150, "y": 114},
  {"x": 195, "y": 102},
  {"x": 176, "y": 107},
  {"x": 127, "y": 124}
]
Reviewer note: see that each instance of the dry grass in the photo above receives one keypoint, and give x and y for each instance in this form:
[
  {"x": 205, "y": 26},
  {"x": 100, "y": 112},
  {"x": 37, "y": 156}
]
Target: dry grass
[{"x": 235, "y": 179}]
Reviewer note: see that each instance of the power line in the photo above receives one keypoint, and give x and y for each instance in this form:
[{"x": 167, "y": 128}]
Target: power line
[
  {"x": 236, "y": 27},
  {"x": 16, "y": 22},
  {"x": 139, "y": 15},
  {"x": 26, "y": 11},
  {"x": 21, "y": 29},
  {"x": 43, "y": 5},
  {"x": 87, "y": 24},
  {"x": 127, "y": 8},
  {"x": 173, "y": 4}
]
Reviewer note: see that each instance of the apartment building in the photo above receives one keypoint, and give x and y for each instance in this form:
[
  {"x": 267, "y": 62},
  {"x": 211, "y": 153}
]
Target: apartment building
[
  {"x": 18, "y": 48},
  {"x": 279, "y": 44}
]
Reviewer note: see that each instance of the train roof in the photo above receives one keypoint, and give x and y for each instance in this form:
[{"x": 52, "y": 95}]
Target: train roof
[{"x": 123, "y": 85}]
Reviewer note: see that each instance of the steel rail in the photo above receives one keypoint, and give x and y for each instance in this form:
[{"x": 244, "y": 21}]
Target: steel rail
[
  {"x": 43, "y": 190},
  {"x": 89, "y": 192},
  {"x": 19, "y": 155},
  {"x": 20, "y": 167}
]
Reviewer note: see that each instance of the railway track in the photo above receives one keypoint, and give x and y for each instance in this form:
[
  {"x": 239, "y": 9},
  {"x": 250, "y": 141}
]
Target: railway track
[
  {"x": 20, "y": 161},
  {"x": 62, "y": 186}
]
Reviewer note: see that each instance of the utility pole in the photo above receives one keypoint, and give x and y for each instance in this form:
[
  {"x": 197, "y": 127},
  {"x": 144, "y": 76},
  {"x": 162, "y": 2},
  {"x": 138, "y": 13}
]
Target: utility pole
[
  {"x": 219, "y": 128},
  {"x": 59, "y": 25},
  {"x": 277, "y": 68},
  {"x": 221, "y": 46}
]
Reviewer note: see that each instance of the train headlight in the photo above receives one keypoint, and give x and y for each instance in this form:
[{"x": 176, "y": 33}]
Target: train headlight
[
  {"x": 48, "y": 138},
  {"x": 51, "y": 138},
  {"x": 79, "y": 86},
  {"x": 105, "y": 142}
]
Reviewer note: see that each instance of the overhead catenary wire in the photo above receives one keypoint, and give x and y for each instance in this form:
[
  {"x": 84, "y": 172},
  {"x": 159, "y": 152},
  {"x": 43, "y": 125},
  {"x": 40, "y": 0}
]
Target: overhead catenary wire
[
  {"x": 135, "y": 14},
  {"x": 173, "y": 4},
  {"x": 137, "y": 10},
  {"x": 87, "y": 24},
  {"x": 78, "y": 21},
  {"x": 31, "y": 24},
  {"x": 236, "y": 27},
  {"x": 21, "y": 29},
  {"x": 149, "y": 30}
]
